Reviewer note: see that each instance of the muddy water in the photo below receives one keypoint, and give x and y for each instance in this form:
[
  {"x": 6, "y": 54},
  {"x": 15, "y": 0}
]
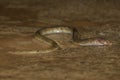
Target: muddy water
[{"x": 20, "y": 19}]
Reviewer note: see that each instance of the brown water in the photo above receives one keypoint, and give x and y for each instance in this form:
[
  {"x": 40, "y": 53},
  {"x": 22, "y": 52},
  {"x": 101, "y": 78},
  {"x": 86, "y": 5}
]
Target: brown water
[{"x": 20, "y": 19}]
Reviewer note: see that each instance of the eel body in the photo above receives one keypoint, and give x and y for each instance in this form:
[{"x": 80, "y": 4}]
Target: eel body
[{"x": 41, "y": 34}]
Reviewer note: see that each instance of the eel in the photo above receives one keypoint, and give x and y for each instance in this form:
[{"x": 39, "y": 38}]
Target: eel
[{"x": 41, "y": 34}]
